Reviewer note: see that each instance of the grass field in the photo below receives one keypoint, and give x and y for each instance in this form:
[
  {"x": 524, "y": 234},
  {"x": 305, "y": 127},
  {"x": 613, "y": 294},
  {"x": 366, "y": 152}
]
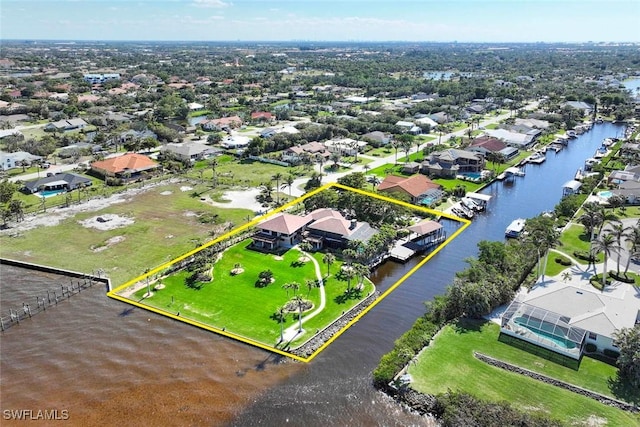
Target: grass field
[
  {"x": 234, "y": 303},
  {"x": 448, "y": 364},
  {"x": 165, "y": 227}
]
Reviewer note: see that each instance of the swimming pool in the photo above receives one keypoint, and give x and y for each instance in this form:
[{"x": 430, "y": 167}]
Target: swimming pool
[
  {"x": 427, "y": 201},
  {"x": 49, "y": 193},
  {"x": 472, "y": 175},
  {"x": 560, "y": 342},
  {"x": 605, "y": 194}
]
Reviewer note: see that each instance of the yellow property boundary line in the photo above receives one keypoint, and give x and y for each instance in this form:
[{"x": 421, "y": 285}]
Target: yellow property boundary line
[{"x": 114, "y": 293}]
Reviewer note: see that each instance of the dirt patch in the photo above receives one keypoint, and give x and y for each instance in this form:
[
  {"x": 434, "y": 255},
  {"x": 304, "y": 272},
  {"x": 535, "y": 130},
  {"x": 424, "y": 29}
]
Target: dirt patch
[
  {"x": 236, "y": 271},
  {"x": 107, "y": 222},
  {"x": 166, "y": 193},
  {"x": 190, "y": 214},
  {"x": 278, "y": 258},
  {"x": 595, "y": 421},
  {"x": 110, "y": 242},
  {"x": 185, "y": 188}
]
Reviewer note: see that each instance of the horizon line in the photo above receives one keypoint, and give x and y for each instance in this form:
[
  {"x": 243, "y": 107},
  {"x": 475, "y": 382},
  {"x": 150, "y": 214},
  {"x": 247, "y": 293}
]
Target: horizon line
[{"x": 538, "y": 42}]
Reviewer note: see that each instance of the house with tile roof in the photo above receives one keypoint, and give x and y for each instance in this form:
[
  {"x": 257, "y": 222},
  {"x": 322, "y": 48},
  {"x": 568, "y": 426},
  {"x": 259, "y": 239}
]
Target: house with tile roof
[
  {"x": 452, "y": 162},
  {"x": 415, "y": 187},
  {"x": 127, "y": 166},
  {"x": 322, "y": 228},
  {"x": 487, "y": 145},
  {"x": 281, "y": 230}
]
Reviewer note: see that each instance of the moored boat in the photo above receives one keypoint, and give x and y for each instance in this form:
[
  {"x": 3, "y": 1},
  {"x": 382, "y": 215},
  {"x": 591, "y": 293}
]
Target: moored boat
[{"x": 515, "y": 228}]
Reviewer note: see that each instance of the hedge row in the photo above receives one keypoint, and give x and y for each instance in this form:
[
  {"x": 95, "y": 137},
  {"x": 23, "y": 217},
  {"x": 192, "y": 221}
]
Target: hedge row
[{"x": 405, "y": 348}]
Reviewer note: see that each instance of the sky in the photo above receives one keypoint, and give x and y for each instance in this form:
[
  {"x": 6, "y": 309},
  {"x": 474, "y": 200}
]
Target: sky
[{"x": 323, "y": 20}]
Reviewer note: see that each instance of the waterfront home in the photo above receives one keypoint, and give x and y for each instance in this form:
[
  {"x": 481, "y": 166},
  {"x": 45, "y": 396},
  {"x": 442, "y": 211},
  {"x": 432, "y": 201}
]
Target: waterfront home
[
  {"x": 60, "y": 181},
  {"x": 322, "y": 228},
  {"x": 487, "y": 145},
  {"x": 514, "y": 139},
  {"x": 452, "y": 162},
  {"x": 629, "y": 191},
  {"x": 415, "y": 187},
  {"x": 564, "y": 317},
  {"x": 583, "y": 107},
  {"x": 630, "y": 173},
  {"x": 282, "y": 230},
  {"x": 127, "y": 166},
  {"x": 330, "y": 229}
]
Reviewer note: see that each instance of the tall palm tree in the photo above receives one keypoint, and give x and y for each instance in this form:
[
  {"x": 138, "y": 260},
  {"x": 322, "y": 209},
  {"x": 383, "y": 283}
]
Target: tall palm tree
[
  {"x": 620, "y": 232},
  {"x": 361, "y": 271},
  {"x": 592, "y": 217},
  {"x": 281, "y": 315},
  {"x": 300, "y": 303},
  {"x": 634, "y": 251},
  {"x": 310, "y": 285},
  {"x": 213, "y": 163},
  {"x": 288, "y": 183},
  {"x": 328, "y": 259},
  {"x": 605, "y": 243},
  {"x": 277, "y": 178},
  {"x": 550, "y": 239}
]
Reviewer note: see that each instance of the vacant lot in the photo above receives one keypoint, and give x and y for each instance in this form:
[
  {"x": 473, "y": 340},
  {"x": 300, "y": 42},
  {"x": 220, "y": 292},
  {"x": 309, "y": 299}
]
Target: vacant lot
[{"x": 164, "y": 222}]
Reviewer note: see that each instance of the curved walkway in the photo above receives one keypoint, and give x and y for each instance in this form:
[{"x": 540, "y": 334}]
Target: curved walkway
[{"x": 292, "y": 331}]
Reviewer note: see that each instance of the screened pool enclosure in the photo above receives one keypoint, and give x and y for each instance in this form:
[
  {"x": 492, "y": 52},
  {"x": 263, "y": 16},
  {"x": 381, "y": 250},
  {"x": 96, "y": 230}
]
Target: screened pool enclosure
[{"x": 543, "y": 328}]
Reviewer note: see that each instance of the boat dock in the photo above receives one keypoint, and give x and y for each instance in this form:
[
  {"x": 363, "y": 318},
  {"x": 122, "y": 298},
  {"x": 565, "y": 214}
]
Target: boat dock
[{"x": 422, "y": 236}]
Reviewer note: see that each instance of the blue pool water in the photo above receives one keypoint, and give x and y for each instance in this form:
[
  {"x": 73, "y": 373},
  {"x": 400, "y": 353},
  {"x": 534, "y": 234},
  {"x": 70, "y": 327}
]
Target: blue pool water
[
  {"x": 473, "y": 175},
  {"x": 605, "y": 194},
  {"x": 548, "y": 335},
  {"x": 427, "y": 201},
  {"x": 50, "y": 193}
]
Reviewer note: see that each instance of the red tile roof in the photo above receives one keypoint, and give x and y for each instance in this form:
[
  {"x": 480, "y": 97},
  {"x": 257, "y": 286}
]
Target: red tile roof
[
  {"x": 129, "y": 162},
  {"x": 285, "y": 223},
  {"x": 414, "y": 185},
  {"x": 425, "y": 227}
]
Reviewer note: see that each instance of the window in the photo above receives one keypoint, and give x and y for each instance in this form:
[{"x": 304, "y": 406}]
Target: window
[{"x": 593, "y": 336}]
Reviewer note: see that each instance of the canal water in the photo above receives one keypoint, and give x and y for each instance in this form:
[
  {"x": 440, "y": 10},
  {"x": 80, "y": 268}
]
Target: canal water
[{"x": 108, "y": 363}]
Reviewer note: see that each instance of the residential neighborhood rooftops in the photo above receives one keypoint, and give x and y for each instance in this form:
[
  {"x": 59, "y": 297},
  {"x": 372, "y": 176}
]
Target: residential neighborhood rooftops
[
  {"x": 128, "y": 162},
  {"x": 415, "y": 185},
  {"x": 285, "y": 223}
]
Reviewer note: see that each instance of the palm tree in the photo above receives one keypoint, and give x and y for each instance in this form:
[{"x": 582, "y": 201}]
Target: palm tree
[
  {"x": 328, "y": 259},
  {"x": 213, "y": 163},
  {"x": 288, "y": 183},
  {"x": 277, "y": 177},
  {"x": 300, "y": 303},
  {"x": 361, "y": 271},
  {"x": 592, "y": 217},
  {"x": 310, "y": 285},
  {"x": 286, "y": 287},
  {"x": 605, "y": 243},
  {"x": 349, "y": 274},
  {"x": 295, "y": 286},
  {"x": 633, "y": 238},
  {"x": 566, "y": 276},
  {"x": 395, "y": 144},
  {"x": 620, "y": 232},
  {"x": 374, "y": 181},
  {"x": 281, "y": 315},
  {"x": 550, "y": 239}
]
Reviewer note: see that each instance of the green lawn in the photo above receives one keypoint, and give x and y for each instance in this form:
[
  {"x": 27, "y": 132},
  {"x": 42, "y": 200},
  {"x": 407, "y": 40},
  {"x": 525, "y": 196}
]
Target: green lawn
[
  {"x": 165, "y": 227},
  {"x": 575, "y": 238},
  {"x": 234, "y": 302},
  {"x": 448, "y": 364},
  {"x": 247, "y": 173}
]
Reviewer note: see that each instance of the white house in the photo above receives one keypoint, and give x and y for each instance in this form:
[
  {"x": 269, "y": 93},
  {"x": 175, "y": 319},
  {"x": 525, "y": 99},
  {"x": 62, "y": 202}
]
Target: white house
[
  {"x": 235, "y": 141},
  {"x": 345, "y": 146},
  {"x": 15, "y": 160}
]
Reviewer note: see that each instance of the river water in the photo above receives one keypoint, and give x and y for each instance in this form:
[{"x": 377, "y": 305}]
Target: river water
[{"x": 108, "y": 363}]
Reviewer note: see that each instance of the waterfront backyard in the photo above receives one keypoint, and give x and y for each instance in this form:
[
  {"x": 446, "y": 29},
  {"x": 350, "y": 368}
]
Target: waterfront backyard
[
  {"x": 236, "y": 301},
  {"x": 457, "y": 369}
]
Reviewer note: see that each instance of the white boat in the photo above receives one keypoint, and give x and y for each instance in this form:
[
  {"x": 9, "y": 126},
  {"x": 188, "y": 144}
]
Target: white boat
[
  {"x": 515, "y": 228},
  {"x": 537, "y": 157},
  {"x": 572, "y": 134}
]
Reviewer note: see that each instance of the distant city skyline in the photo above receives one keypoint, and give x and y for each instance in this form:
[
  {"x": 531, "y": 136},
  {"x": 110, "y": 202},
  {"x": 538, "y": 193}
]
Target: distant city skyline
[{"x": 498, "y": 21}]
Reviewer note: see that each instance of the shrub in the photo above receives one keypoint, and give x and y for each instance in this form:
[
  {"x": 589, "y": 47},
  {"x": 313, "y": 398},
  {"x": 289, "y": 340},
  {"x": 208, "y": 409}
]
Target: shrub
[
  {"x": 563, "y": 261},
  {"x": 591, "y": 348}
]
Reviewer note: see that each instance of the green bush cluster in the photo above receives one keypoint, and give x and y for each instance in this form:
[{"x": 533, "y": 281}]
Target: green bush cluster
[
  {"x": 455, "y": 409},
  {"x": 406, "y": 347}
]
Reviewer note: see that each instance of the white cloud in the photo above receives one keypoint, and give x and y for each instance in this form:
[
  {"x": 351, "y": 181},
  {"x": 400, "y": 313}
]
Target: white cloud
[{"x": 211, "y": 3}]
